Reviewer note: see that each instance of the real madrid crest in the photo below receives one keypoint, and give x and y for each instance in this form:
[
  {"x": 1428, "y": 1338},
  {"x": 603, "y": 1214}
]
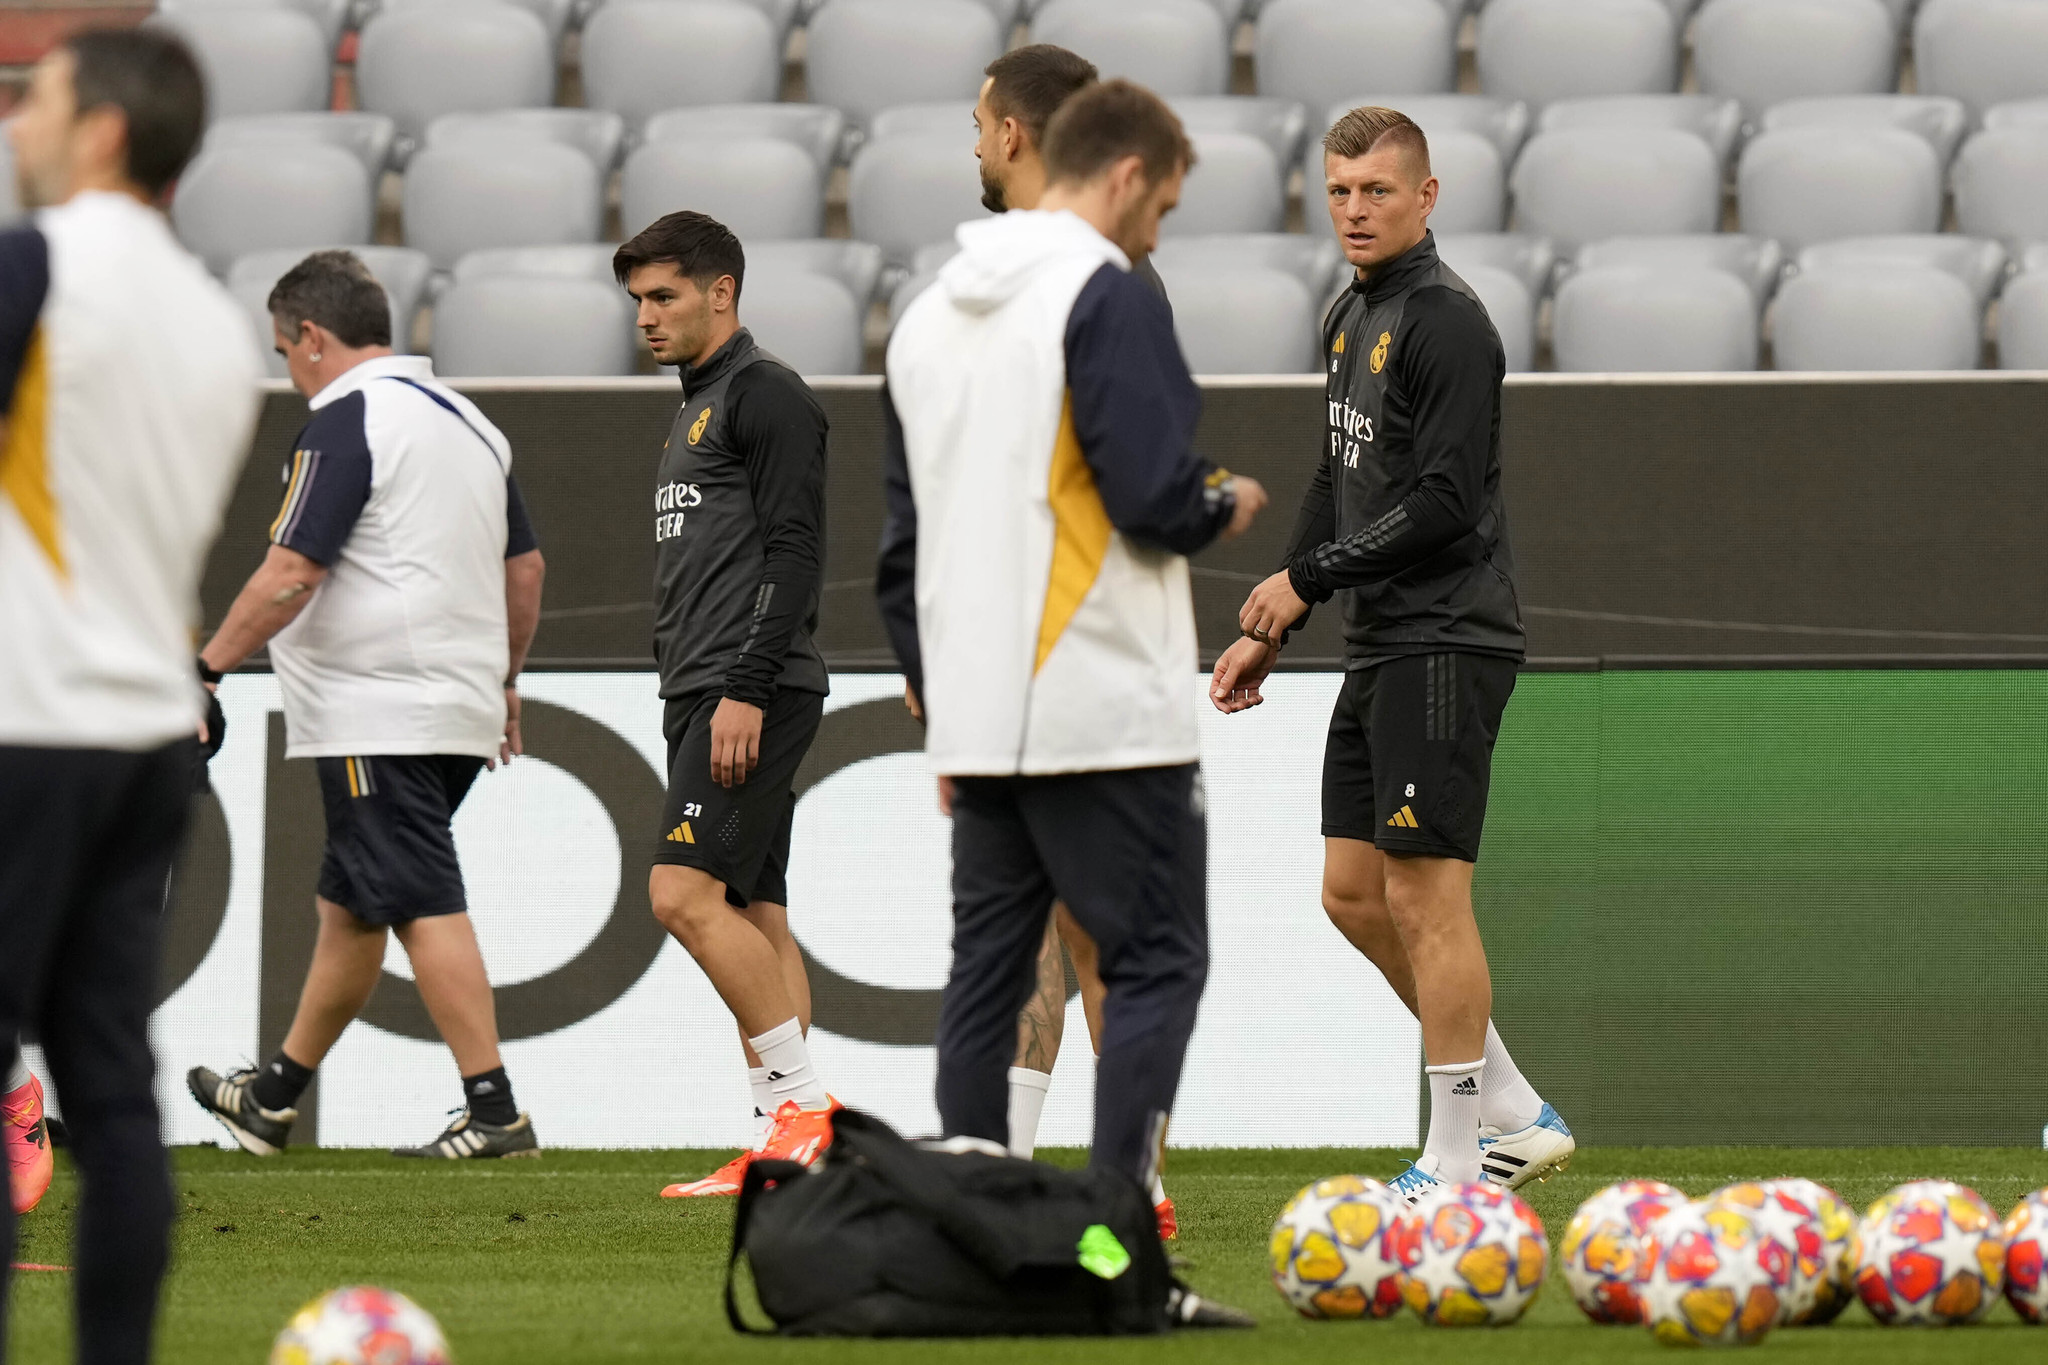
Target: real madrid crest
[
  {"x": 704, "y": 420},
  {"x": 1379, "y": 353}
]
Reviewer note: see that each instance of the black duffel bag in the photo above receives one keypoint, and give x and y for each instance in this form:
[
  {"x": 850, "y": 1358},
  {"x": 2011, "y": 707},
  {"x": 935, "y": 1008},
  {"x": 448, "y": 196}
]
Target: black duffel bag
[{"x": 888, "y": 1239}]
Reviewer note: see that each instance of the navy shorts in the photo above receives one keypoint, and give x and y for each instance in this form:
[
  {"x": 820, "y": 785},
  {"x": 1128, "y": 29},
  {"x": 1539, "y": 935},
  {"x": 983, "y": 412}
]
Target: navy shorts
[
  {"x": 390, "y": 855},
  {"x": 738, "y": 834}
]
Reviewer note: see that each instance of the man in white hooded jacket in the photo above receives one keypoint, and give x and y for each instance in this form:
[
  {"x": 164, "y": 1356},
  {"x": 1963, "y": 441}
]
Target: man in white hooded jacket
[{"x": 1043, "y": 495}]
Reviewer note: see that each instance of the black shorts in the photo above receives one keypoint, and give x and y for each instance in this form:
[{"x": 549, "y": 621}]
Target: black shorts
[
  {"x": 738, "y": 834},
  {"x": 390, "y": 855},
  {"x": 1410, "y": 756}
]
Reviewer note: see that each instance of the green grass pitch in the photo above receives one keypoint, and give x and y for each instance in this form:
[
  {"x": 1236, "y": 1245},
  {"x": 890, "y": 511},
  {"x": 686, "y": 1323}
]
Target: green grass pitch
[{"x": 573, "y": 1258}]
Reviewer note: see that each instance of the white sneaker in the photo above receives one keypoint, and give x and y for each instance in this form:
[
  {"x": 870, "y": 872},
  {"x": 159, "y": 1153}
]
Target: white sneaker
[
  {"x": 1537, "y": 1152},
  {"x": 1420, "y": 1180}
]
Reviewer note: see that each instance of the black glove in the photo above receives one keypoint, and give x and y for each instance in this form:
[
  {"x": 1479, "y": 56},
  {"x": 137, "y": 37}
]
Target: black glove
[{"x": 216, "y": 726}]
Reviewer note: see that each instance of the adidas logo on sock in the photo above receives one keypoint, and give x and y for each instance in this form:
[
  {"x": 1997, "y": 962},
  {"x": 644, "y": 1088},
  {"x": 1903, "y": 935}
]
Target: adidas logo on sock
[{"x": 1468, "y": 1086}]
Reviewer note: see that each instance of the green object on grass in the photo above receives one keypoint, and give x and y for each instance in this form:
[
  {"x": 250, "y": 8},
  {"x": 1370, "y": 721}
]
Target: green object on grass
[{"x": 1102, "y": 1255}]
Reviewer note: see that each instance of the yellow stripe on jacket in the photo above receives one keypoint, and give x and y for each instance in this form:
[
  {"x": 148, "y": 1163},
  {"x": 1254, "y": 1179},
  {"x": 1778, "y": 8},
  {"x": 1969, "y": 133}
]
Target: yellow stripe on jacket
[
  {"x": 25, "y": 459},
  {"x": 1080, "y": 534}
]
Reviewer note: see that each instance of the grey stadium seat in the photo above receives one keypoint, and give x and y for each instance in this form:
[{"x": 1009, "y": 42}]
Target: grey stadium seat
[
  {"x": 1249, "y": 320},
  {"x": 367, "y": 136},
  {"x": 578, "y": 261},
  {"x": 1235, "y": 186},
  {"x": 1938, "y": 118},
  {"x": 2017, "y": 114},
  {"x": 516, "y": 192},
  {"x": 924, "y": 272},
  {"x": 1503, "y": 122},
  {"x": 1541, "y": 51},
  {"x": 641, "y": 57},
  {"x": 1512, "y": 308},
  {"x": 2023, "y": 323},
  {"x": 816, "y": 128},
  {"x": 1471, "y": 183},
  {"x": 763, "y": 188},
  {"x": 251, "y": 197},
  {"x": 1979, "y": 264},
  {"x": 1807, "y": 185},
  {"x": 949, "y": 118},
  {"x": 402, "y": 271},
  {"x": 1716, "y": 120},
  {"x": 258, "y": 59},
  {"x": 1581, "y": 184},
  {"x": 1529, "y": 259},
  {"x": 2001, "y": 185},
  {"x": 857, "y": 265},
  {"x": 1175, "y": 47},
  {"x": 1278, "y": 123},
  {"x": 1763, "y": 52},
  {"x": 421, "y": 63},
  {"x": 862, "y": 56},
  {"x": 1756, "y": 261},
  {"x": 1916, "y": 318},
  {"x": 1323, "y": 51},
  {"x": 330, "y": 15},
  {"x": 812, "y": 322},
  {"x": 533, "y": 325},
  {"x": 1621, "y": 319},
  {"x": 593, "y": 132},
  {"x": 1984, "y": 52},
  {"x": 554, "y": 15},
  {"x": 1315, "y": 261},
  {"x": 911, "y": 191}
]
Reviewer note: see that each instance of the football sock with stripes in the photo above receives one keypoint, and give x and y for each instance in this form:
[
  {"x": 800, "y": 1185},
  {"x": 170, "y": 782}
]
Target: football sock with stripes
[
  {"x": 1454, "y": 1120},
  {"x": 279, "y": 1082},
  {"x": 489, "y": 1097},
  {"x": 764, "y": 1104},
  {"x": 1506, "y": 1100},
  {"x": 1027, "y": 1104},
  {"x": 787, "y": 1057}
]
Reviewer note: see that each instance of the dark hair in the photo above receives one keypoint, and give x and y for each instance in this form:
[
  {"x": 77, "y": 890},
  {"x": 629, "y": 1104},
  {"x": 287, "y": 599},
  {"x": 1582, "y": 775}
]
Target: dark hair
[
  {"x": 699, "y": 246},
  {"x": 1106, "y": 123},
  {"x": 1030, "y": 84},
  {"x": 151, "y": 77},
  {"x": 1371, "y": 126},
  {"x": 335, "y": 290}
]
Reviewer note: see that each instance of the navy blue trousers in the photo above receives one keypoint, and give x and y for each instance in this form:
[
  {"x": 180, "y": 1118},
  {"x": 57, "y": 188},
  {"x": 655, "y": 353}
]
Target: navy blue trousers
[{"x": 1128, "y": 853}]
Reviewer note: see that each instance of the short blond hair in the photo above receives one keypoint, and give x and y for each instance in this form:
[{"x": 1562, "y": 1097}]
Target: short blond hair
[{"x": 1370, "y": 127}]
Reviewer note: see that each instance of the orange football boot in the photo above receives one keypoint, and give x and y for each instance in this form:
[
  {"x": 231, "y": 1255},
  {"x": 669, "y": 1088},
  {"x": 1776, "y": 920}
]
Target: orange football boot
[
  {"x": 29, "y": 1161},
  {"x": 725, "y": 1180},
  {"x": 800, "y": 1135},
  {"x": 1169, "y": 1221}
]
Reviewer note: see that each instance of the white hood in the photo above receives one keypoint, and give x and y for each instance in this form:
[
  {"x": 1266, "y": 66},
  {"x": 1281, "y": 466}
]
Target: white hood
[{"x": 1000, "y": 256}]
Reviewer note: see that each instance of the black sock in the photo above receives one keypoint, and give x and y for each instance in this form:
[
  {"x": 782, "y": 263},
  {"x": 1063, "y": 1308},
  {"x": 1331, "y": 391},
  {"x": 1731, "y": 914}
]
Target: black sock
[
  {"x": 279, "y": 1082},
  {"x": 489, "y": 1096}
]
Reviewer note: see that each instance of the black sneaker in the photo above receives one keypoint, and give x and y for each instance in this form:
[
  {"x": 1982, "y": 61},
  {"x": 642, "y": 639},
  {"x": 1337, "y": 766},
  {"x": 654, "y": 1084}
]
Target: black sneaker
[
  {"x": 1186, "y": 1308},
  {"x": 260, "y": 1131},
  {"x": 471, "y": 1138}
]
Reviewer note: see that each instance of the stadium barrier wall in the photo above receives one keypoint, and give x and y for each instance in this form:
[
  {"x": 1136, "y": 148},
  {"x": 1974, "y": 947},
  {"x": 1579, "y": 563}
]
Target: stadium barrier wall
[{"x": 1779, "y": 895}]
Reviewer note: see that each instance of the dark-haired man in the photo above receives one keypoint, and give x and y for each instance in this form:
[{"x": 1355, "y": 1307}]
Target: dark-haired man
[
  {"x": 1405, "y": 518},
  {"x": 739, "y": 544},
  {"x": 398, "y": 597},
  {"x": 1043, "y": 493},
  {"x": 128, "y": 392}
]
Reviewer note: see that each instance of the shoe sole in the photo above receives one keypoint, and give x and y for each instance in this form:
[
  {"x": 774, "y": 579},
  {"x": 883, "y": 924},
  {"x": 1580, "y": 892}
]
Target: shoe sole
[
  {"x": 533, "y": 1152},
  {"x": 701, "y": 1194}
]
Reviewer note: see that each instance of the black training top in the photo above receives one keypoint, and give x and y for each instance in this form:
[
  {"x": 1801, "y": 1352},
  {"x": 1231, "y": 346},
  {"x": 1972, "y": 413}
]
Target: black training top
[
  {"x": 739, "y": 531},
  {"x": 1405, "y": 509}
]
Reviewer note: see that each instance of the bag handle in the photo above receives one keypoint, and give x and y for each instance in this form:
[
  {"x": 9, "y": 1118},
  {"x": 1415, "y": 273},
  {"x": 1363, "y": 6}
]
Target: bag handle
[{"x": 761, "y": 1175}]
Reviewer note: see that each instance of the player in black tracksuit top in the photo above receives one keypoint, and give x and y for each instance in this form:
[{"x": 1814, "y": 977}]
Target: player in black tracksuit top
[
  {"x": 739, "y": 544},
  {"x": 1405, "y": 518}
]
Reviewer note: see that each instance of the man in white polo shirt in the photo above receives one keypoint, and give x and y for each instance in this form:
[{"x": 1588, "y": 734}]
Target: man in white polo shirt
[
  {"x": 128, "y": 392},
  {"x": 399, "y": 595}
]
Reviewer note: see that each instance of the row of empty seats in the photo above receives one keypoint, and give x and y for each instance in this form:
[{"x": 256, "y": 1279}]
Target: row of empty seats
[
  {"x": 1818, "y": 170},
  {"x": 418, "y": 59},
  {"x": 1253, "y": 304}
]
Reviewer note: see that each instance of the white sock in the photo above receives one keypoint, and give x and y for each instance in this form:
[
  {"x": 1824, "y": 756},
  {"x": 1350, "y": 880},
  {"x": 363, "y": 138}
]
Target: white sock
[
  {"x": 764, "y": 1104},
  {"x": 787, "y": 1060},
  {"x": 1506, "y": 1100},
  {"x": 1454, "y": 1121},
  {"x": 1158, "y": 1190},
  {"x": 17, "y": 1075},
  {"x": 1027, "y": 1104}
]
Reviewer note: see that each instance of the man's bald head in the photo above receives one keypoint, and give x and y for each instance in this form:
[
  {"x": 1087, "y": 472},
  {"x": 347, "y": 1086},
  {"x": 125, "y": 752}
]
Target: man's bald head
[{"x": 1373, "y": 129}]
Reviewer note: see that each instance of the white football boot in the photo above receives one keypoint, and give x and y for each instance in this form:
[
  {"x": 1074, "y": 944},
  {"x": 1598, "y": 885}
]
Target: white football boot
[
  {"x": 1537, "y": 1152},
  {"x": 1420, "y": 1179}
]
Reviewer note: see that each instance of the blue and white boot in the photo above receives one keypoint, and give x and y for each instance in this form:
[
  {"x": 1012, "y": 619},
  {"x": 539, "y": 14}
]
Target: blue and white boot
[
  {"x": 1419, "y": 1181},
  {"x": 1537, "y": 1152}
]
